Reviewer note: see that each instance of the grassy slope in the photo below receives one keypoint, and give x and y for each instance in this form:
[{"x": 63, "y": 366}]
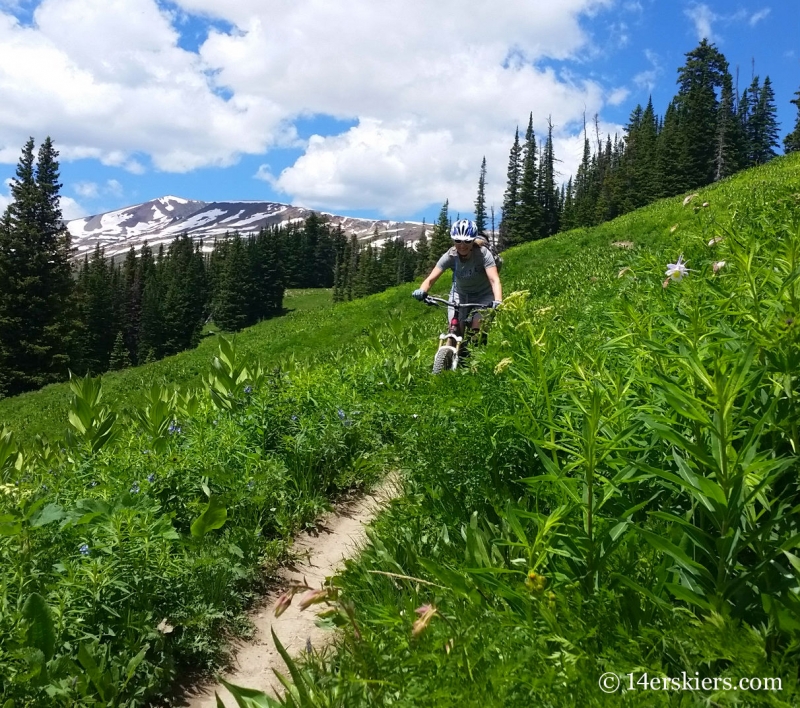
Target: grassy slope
[{"x": 313, "y": 327}]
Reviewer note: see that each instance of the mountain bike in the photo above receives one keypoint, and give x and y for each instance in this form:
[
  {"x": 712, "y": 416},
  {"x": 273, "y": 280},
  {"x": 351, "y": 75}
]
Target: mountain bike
[{"x": 451, "y": 343}]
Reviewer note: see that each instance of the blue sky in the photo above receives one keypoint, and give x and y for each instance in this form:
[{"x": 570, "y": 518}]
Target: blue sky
[{"x": 356, "y": 108}]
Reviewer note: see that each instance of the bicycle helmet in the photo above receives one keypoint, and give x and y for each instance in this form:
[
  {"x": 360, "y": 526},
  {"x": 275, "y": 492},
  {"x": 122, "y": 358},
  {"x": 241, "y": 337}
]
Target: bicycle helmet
[{"x": 464, "y": 230}]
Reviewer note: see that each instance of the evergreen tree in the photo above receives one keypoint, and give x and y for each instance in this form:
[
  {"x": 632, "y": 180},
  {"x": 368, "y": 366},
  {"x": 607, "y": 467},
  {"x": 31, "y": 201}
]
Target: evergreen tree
[
  {"x": 480, "y": 201},
  {"x": 529, "y": 212},
  {"x": 151, "y": 325},
  {"x": 791, "y": 143},
  {"x": 672, "y": 155},
  {"x": 234, "y": 287},
  {"x": 584, "y": 204},
  {"x": 698, "y": 81},
  {"x": 440, "y": 239},
  {"x": 36, "y": 287},
  {"x": 763, "y": 125},
  {"x": 549, "y": 200},
  {"x": 508, "y": 222},
  {"x": 98, "y": 313},
  {"x": 133, "y": 286},
  {"x": 730, "y": 150},
  {"x": 119, "y": 354},
  {"x": 185, "y": 293}
]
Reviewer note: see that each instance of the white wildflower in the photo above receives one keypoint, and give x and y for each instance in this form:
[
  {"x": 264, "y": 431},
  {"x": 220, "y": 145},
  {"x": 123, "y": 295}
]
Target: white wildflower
[
  {"x": 714, "y": 241},
  {"x": 676, "y": 271},
  {"x": 718, "y": 265}
]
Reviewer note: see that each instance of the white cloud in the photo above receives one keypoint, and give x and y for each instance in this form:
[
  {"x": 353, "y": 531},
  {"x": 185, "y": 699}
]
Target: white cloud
[
  {"x": 425, "y": 81},
  {"x": 87, "y": 190},
  {"x": 617, "y": 96},
  {"x": 758, "y": 16},
  {"x": 114, "y": 188},
  {"x": 647, "y": 79},
  {"x": 70, "y": 209},
  {"x": 702, "y": 16}
]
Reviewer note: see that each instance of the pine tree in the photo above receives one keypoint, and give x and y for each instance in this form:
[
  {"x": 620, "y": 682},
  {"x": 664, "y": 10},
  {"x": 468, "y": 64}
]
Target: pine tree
[
  {"x": 548, "y": 192},
  {"x": 440, "y": 239},
  {"x": 480, "y": 201},
  {"x": 764, "y": 126},
  {"x": 697, "y": 102},
  {"x": 529, "y": 212},
  {"x": 508, "y": 222},
  {"x": 234, "y": 288},
  {"x": 185, "y": 294},
  {"x": 119, "y": 354},
  {"x": 791, "y": 143},
  {"x": 672, "y": 155},
  {"x": 729, "y": 154},
  {"x": 151, "y": 324},
  {"x": 584, "y": 204},
  {"x": 133, "y": 286},
  {"x": 36, "y": 286}
]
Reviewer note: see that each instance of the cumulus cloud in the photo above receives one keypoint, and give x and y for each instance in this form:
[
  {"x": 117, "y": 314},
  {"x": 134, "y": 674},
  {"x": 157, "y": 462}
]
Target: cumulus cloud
[
  {"x": 431, "y": 85},
  {"x": 70, "y": 209}
]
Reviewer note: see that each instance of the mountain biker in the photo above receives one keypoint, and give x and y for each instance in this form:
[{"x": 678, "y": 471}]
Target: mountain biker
[{"x": 475, "y": 276}]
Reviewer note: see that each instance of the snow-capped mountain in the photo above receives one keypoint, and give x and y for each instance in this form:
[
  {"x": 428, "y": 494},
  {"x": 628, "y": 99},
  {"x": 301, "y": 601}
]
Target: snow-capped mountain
[{"x": 161, "y": 220}]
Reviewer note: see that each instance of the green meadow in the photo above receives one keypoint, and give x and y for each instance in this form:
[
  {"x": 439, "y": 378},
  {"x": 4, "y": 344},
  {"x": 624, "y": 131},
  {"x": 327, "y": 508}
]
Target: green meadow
[{"x": 610, "y": 486}]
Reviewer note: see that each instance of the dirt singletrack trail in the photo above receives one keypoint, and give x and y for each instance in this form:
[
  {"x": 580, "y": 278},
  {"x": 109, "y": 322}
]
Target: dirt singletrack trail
[{"x": 321, "y": 553}]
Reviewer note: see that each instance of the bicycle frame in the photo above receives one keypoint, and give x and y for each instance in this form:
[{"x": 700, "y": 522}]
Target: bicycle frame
[{"x": 452, "y": 340}]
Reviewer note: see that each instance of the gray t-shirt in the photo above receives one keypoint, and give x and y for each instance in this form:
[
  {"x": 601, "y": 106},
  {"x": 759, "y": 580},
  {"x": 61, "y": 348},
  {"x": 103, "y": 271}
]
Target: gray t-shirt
[{"x": 469, "y": 275}]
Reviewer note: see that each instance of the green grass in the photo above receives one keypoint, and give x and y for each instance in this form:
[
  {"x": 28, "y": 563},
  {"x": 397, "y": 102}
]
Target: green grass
[{"x": 610, "y": 485}]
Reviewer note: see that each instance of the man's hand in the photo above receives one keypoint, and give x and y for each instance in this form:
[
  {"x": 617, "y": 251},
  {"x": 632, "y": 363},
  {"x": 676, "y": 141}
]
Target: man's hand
[
  {"x": 496, "y": 304},
  {"x": 419, "y": 294}
]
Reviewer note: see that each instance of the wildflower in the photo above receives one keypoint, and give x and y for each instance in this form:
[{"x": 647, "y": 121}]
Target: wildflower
[
  {"x": 294, "y": 417},
  {"x": 283, "y": 603},
  {"x": 673, "y": 229},
  {"x": 135, "y": 488},
  {"x": 718, "y": 265},
  {"x": 248, "y": 389},
  {"x": 676, "y": 271},
  {"x": 342, "y": 415},
  {"x": 714, "y": 241},
  {"x": 426, "y": 613},
  {"x": 309, "y": 648},
  {"x": 623, "y": 271},
  {"x": 84, "y": 549},
  {"x": 415, "y": 416},
  {"x": 93, "y": 484},
  {"x": 665, "y": 283},
  {"x": 145, "y": 452},
  {"x": 535, "y": 582},
  {"x": 689, "y": 198},
  {"x": 151, "y": 477},
  {"x": 312, "y": 597},
  {"x": 165, "y": 627},
  {"x": 622, "y": 244},
  {"x": 174, "y": 428},
  {"x": 45, "y": 488},
  {"x": 251, "y": 484},
  {"x": 706, "y": 204},
  {"x": 449, "y": 645},
  {"x": 214, "y": 422}
]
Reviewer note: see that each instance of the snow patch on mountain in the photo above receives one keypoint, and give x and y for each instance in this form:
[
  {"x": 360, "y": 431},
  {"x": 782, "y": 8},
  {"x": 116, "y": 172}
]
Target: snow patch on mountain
[{"x": 161, "y": 220}]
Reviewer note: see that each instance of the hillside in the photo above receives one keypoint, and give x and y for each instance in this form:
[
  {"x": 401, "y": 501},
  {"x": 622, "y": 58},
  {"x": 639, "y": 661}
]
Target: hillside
[{"x": 610, "y": 486}]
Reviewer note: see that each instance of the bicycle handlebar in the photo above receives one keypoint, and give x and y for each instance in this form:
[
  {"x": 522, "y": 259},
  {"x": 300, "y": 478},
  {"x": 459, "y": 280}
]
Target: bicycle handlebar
[{"x": 433, "y": 300}]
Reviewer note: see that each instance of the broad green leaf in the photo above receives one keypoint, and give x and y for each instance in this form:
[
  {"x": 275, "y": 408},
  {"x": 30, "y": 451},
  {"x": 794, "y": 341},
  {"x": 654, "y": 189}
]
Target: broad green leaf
[
  {"x": 213, "y": 517},
  {"x": 687, "y": 595},
  {"x": 41, "y": 631},
  {"x": 50, "y": 513},
  {"x": 247, "y": 697}
]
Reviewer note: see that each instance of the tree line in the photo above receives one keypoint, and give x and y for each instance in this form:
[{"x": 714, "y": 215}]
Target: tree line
[
  {"x": 58, "y": 315},
  {"x": 708, "y": 132}
]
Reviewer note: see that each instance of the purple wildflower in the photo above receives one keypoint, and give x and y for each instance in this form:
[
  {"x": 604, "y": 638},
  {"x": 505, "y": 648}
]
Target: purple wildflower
[
  {"x": 84, "y": 549},
  {"x": 151, "y": 477},
  {"x": 342, "y": 415},
  {"x": 135, "y": 488}
]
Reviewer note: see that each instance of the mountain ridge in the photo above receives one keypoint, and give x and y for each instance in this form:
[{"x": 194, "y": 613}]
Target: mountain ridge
[{"x": 159, "y": 221}]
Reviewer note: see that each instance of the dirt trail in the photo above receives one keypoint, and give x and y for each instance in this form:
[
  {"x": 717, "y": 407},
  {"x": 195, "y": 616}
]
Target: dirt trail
[{"x": 338, "y": 536}]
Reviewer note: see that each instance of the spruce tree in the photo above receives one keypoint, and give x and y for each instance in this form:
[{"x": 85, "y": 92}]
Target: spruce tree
[
  {"x": 98, "y": 313},
  {"x": 508, "y": 222},
  {"x": 234, "y": 288},
  {"x": 791, "y": 143},
  {"x": 185, "y": 294},
  {"x": 440, "y": 239},
  {"x": 730, "y": 147},
  {"x": 119, "y": 354},
  {"x": 36, "y": 287},
  {"x": 529, "y": 213},
  {"x": 151, "y": 324},
  {"x": 764, "y": 132},
  {"x": 480, "y": 202},
  {"x": 698, "y": 81},
  {"x": 549, "y": 200}
]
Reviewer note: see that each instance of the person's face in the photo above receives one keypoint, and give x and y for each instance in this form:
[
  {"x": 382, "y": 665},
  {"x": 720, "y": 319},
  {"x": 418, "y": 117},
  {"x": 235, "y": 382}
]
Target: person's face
[{"x": 463, "y": 248}]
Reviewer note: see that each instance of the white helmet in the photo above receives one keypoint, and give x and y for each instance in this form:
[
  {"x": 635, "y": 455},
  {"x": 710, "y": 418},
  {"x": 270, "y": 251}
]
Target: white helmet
[{"x": 464, "y": 230}]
